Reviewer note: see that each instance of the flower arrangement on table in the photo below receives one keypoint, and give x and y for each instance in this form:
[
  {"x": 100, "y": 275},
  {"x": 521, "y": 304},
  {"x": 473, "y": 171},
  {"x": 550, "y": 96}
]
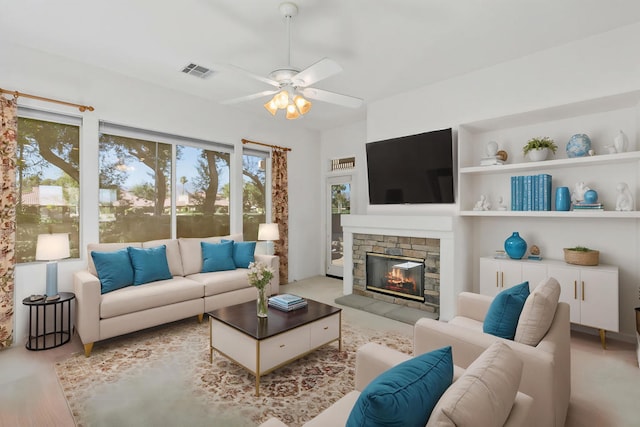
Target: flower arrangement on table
[{"x": 259, "y": 276}]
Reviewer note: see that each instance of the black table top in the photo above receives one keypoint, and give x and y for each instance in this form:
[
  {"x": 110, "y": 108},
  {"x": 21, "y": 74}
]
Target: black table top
[
  {"x": 64, "y": 296},
  {"x": 244, "y": 318}
]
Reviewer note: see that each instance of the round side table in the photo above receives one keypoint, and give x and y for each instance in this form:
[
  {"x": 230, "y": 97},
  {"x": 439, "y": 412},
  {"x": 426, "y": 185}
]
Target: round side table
[{"x": 49, "y": 322}]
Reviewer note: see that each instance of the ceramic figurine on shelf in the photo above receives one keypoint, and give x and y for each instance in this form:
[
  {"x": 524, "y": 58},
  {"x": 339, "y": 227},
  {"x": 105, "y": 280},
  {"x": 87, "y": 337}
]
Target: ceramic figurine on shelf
[
  {"x": 624, "y": 202},
  {"x": 578, "y": 192},
  {"x": 482, "y": 204},
  {"x": 501, "y": 205},
  {"x": 620, "y": 142}
]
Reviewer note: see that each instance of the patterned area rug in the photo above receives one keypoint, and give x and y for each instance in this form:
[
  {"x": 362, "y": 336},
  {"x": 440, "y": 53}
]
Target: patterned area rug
[{"x": 162, "y": 377}]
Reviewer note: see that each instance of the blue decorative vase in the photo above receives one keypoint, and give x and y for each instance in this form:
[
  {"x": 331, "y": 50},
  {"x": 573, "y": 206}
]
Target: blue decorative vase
[
  {"x": 578, "y": 145},
  {"x": 591, "y": 196},
  {"x": 515, "y": 246},
  {"x": 563, "y": 199}
]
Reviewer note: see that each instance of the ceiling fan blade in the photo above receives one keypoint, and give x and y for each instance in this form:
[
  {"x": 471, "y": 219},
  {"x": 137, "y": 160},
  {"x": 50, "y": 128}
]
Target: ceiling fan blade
[
  {"x": 252, "y": 75},
  {"x": 320, "y": 70},
  {"x": 332, "y": 97},
  {"x": 249, "y": 97}
]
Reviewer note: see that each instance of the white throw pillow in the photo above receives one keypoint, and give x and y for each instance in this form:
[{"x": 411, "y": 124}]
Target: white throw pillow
[
  {"x": 483, "y": 396},
  {"x": 538, "y": 312}
]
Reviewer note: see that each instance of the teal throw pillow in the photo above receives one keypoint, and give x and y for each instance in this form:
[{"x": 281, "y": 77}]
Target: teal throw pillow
[
  {"x": 404, "y": 395},
  {"x": 502, "y": 318},
  {"x": 149, "y": 264},
  {"x": 217, "y": 256},
  {"x": 243, "y": 253},
  {"x": 114, "y": 269}
]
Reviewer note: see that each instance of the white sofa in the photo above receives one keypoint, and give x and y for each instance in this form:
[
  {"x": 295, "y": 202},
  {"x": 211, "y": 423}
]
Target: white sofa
[
  {"x": 188, "y": 293},
  {"x": 546, "y": 375},
  {"x": 452, "y": 409}
]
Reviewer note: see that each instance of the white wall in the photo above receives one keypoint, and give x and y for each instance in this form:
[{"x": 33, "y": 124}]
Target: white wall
[
  {"x": 123, "y": 100},
  {"x": 591, "y": 68}
]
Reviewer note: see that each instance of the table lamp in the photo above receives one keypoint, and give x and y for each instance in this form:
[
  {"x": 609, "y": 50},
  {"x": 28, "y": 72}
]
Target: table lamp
[
  {"x": 51, "y": 248},
  {"x": 269, "y": 232}
]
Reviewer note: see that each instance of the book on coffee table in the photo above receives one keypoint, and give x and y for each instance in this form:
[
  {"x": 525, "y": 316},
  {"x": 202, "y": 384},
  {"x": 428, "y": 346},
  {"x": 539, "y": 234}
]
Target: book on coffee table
[{"x": 287, "y": 302}]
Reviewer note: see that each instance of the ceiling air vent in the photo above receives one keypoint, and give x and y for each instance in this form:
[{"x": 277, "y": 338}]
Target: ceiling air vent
[{"x": 197, "y": 70}]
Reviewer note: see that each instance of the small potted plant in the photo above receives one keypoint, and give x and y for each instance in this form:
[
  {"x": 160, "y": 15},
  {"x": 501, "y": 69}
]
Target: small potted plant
[
  {"x": 538, "y": 148},
  {"x": 580, "y": 255}
]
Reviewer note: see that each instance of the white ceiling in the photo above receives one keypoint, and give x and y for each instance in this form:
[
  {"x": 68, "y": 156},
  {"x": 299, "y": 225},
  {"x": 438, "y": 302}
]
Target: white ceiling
[{"x": 384, "y": 46}]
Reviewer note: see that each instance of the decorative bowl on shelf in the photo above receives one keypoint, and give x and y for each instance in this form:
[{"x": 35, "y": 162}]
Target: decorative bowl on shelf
[{"x": 578, "y": 145}]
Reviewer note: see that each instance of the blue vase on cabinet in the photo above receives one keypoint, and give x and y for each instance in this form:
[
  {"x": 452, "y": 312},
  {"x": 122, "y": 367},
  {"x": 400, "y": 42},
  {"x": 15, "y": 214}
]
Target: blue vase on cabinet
[{"x": 515, "y": 246}]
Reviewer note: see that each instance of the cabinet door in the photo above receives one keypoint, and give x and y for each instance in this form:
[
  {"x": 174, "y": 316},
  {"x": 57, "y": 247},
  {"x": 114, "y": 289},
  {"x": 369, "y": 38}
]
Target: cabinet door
[
  {"x": 569, "y": 279},
  {"x": 599, "y": 299},
  {"x": 489, "y": 277},
  {"x": 510, "y": 274},
  {"x": 534, "y": 273}
]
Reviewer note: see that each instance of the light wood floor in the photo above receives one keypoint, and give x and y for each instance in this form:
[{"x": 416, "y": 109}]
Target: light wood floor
[{"x": 605, "y": 383}]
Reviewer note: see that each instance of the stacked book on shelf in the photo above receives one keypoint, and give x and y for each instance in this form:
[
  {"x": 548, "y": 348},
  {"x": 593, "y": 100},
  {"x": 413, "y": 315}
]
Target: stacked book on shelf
[
  {"x": 287, "y": 302},
  {"x": 531, "y": 192},
  {"x": 588, "y": 206}
]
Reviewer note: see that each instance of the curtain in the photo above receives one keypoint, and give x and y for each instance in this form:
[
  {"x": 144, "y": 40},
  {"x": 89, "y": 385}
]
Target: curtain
[
  {"x": 280, "y": 210},
  {"x": 8, "y": 131}
]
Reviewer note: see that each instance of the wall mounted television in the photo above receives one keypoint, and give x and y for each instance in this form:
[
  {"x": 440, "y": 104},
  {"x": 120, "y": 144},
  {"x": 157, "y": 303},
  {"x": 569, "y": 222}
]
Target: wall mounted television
[{"x": 412, "y": 169}]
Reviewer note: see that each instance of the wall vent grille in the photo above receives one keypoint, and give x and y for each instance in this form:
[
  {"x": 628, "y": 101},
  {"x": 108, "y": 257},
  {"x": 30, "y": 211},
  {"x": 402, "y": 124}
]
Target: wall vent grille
[{"x": 343, "y": 164}]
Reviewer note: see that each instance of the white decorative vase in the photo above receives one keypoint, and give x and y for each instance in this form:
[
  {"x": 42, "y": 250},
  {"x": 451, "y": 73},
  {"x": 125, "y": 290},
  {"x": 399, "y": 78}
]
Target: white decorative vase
[
  {"x": 538, "y": 154},
  {"x": 621, "y": 142}
]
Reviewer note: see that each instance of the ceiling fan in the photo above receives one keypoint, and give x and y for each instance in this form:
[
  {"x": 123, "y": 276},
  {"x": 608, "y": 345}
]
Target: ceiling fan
[{"x": 292, "y": 86}]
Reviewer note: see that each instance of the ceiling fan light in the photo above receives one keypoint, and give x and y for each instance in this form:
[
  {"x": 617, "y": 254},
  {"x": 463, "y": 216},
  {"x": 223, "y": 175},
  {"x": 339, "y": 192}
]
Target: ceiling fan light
[
  {"x": 292, "y": 112},
  {"x": 271, "y": 107},
  {"x": 281, "y": 99},
  {"x": 303, "y": 105}
]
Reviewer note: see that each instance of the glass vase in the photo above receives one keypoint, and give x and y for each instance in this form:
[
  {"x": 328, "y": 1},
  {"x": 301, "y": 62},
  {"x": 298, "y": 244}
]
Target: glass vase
[
  {"x": 515, "y": 246},
  {"x": 261, "y": 303}
]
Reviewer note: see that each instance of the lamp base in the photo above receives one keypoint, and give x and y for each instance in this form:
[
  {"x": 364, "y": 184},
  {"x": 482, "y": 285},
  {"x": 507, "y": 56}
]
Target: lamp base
[{"x": 52, "y": 280}]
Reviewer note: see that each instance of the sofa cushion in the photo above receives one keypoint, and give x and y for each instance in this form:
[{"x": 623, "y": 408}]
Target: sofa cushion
[
  {"x": 538, "y": 312},
  {"x": 106, "y": 247},
  {"x": 336, "y": 414},
  {"x": 113, "y": 269},
  {"x": 155, "y": 294},
  {"x": 502, "y": 318},
  {"x": 243, "y": 253},
  {"x": 406, "y": 394},
  {"x": 483, "y": 396},
  {"x": 173, "y": 254},
  {"x": 191, "y": 251},
  {"x": 149, "y": 265},
  {"x": 222, "y": 281},
  {"x": 217, "y": 256}
]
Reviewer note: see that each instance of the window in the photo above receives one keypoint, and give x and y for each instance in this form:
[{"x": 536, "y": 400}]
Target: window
[
  {"x": 254, "y": 199},
  {"x": 135, "y": 189},
  {"x": 202, "y": 202},
  {"x": 47, "y": 181},
  {"x": 136, "y": 185}
]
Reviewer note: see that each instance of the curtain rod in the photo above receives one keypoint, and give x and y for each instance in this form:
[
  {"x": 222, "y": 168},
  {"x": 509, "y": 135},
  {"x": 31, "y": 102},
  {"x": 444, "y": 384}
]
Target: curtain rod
[
  {"x": 277, "y": 147},
  {"x": 15, "y": 93}
]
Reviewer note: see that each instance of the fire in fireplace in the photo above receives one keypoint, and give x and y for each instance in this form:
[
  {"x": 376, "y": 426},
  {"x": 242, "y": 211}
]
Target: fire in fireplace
[{"x": 395, "y": 275}]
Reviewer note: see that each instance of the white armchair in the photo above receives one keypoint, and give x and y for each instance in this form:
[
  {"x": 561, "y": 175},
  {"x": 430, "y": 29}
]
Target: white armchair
[{"x": 546, "y": 375}]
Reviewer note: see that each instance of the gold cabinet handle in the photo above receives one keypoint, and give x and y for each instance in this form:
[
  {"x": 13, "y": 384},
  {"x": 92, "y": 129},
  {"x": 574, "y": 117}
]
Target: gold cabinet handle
[
  {"x": 575, "y": 289},
  {"x": 281, "y": 345},
  {"x": 497, "y": 279},
  {"x": 326, "y": 327},
  {"x": 502, "y": 278},
  {"x": 583, "y": 290}
]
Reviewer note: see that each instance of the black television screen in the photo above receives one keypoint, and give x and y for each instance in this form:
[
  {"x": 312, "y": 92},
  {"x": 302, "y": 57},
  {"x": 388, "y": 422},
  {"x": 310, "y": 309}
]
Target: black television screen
[{"x": 411, "y": 169}]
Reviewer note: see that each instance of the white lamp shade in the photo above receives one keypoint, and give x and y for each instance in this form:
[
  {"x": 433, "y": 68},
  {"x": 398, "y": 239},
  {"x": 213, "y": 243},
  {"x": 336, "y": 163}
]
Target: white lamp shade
[
  {"x": 268, "y": 232},
  {"x": 52, "y": 247}
]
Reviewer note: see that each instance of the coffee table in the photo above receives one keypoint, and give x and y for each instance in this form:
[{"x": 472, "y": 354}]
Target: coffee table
[{"x": 263, "y": 344}]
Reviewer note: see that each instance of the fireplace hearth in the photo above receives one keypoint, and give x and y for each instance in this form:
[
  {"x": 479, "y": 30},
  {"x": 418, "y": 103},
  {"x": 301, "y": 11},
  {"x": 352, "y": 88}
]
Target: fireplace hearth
[{"x": 398, "y": 276}]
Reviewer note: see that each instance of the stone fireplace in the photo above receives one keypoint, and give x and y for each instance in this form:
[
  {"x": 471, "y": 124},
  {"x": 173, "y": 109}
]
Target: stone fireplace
[
  {"x": 398, "y": 269},
  {"x": 428, "y": 238}
]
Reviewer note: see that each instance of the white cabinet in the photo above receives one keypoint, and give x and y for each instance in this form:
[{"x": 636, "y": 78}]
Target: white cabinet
[
  {"x": 499, "y": 274},
  {"x": 592, "y": 293}
]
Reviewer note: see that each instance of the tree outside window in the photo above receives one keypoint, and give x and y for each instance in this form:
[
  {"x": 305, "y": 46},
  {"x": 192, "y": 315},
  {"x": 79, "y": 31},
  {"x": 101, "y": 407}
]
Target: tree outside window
[
  {"x": 48, "y": 182},
  {"x": 253, "y": 195}
]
